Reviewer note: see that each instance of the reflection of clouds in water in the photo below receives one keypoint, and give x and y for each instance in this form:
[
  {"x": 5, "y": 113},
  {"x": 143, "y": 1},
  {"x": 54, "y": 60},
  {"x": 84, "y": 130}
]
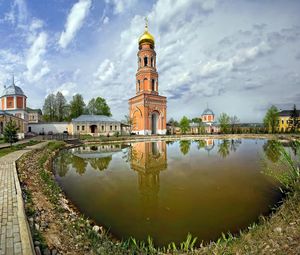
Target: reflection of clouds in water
[{"x": 160, "y": 187}]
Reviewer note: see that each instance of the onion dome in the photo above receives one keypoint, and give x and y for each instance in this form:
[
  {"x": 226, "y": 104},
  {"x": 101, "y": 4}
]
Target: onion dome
[{"x": 146, "y": 37}]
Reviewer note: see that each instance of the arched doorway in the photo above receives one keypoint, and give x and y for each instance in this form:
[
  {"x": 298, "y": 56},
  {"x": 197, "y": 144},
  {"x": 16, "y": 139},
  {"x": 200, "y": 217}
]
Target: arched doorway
[
  {"x": 93, "y": 129},
  {"x": 154, "y": 123}
]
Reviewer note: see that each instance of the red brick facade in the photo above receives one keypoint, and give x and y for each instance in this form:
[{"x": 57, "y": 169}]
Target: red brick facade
[{"x": 147, "y": 109}]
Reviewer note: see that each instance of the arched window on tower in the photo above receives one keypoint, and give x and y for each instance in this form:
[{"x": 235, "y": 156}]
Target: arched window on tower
[
  {"x": 145, "y": 84},
  {"x": 152, "y": 62},
  {"x": 140, "y": 62},
  {"x": 139, "y": 85},
  {"x": 145, "y": 61},
  {"x": 153, "y": 85}
]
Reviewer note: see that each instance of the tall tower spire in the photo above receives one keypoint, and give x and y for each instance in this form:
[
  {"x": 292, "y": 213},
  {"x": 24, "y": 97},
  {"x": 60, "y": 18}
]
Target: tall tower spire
[{"x": 147, "y": 107}]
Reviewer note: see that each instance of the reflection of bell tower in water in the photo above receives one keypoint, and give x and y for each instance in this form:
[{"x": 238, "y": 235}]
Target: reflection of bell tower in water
[
  {"x": 147, "y": 108},
  {"x": 148, "y": 160}
]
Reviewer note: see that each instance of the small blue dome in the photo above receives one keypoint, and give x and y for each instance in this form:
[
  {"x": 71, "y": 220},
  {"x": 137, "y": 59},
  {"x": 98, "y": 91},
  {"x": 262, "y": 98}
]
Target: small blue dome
[{"x": 208, "y": 111}]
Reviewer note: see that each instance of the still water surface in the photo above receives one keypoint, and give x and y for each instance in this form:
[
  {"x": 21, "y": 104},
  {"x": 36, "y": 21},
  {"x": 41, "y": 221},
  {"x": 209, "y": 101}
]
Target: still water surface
[{"x": 169, "y": 189}]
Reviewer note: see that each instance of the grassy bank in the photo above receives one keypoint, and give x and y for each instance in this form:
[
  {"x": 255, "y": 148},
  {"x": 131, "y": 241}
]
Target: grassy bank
[
  {"x": 5, "y": 151},
  {"x": 57, "y": 225}
]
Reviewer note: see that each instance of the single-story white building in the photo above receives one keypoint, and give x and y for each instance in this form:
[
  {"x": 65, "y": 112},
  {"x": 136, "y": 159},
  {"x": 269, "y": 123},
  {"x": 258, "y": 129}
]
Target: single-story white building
[
  {"x": 95, "y": 125},
  {"x": 48, "y": 127}
]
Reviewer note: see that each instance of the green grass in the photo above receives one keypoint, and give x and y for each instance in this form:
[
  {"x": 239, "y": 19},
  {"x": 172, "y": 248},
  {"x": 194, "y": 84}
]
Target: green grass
[
  {"x": 52, "y": 146},
  {"x": 51, "y": 189},
  {"x": 5, "y": 151},
  {"x": 85, "y": 137}
]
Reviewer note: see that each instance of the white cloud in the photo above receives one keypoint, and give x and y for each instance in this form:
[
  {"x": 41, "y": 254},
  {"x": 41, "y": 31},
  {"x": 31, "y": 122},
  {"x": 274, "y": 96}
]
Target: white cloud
[
  {"x": 251, "y": 53},
  {"x": 18, "y": 12},
  {"x": 9, "y": 17},
  {"x": 36, "y": 66},
  {"x": 74, "y": 22},
  {"x": 67, "y": 89},
  {"x": 106, "y": 20},
  {"x": 35, "y": 27},
  {"x": 105, "y": 71},
  {"x": 212, "y": 67},
  {"x": 119, "y": 6},
  {"x": 8, "y": 57},
  {"x": 36, "y": 24},
  {"x": 242, "y": 56},
  {"x": 173, "y": 12}
]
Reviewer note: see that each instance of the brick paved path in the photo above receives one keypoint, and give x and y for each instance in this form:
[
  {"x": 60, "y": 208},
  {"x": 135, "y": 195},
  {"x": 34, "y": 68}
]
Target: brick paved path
[{"x": 15, "y": 235}]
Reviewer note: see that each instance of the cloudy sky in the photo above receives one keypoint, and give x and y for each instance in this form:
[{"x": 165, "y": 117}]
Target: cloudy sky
[{"x": 238, "y": 57}]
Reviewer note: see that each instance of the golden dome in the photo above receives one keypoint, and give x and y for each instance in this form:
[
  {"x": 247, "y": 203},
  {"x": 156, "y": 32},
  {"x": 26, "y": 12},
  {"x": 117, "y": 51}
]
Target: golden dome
[{"x": 146, "y": 36}]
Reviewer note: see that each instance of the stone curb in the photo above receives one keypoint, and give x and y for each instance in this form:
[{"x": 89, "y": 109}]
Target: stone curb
[{"x": 25, "y": 234}]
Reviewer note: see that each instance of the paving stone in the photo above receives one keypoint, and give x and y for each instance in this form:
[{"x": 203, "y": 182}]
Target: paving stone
[
  {"x": 17, "y": 237},
  {"x": 17, "y": 247},
  {"x": 10, "y": 235}
]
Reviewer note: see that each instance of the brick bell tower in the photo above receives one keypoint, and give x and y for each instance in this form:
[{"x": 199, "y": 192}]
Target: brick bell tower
[{"x": 147, "y": 108}]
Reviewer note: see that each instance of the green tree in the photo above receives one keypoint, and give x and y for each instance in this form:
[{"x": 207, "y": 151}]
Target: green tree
[
  {"x": 61, "y": 106},
  {"x": 77, "y": 106},
  {"x": 234, "y": 120},
  {"x": 200, "y": 144},
  {"x": 224, "y": 121},
  {"x": 271, "y": 119},
  {"x": 63, "y": 162},
  {"x": 100, "y": 163},
  {"x": 10, "y": 132},
  {"x": 294, "y": 121},
  {"x": 271, "y": 150},
  {"x": 185, "y": 146},
  {"x": 98, "y": 106},
  {"x": 184, "y": 124},
  {"x": 198, "y": 121},
  {"x": 49, "y": 108},
  {"x": 224, "y": 148},
  {"x": 79, "y": 164},
  {"x": 173, "y": 122}
]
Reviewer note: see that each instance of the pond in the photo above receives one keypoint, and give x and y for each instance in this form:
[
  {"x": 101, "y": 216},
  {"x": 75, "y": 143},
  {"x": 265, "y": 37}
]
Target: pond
[{"x": 167, "y": 189}]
